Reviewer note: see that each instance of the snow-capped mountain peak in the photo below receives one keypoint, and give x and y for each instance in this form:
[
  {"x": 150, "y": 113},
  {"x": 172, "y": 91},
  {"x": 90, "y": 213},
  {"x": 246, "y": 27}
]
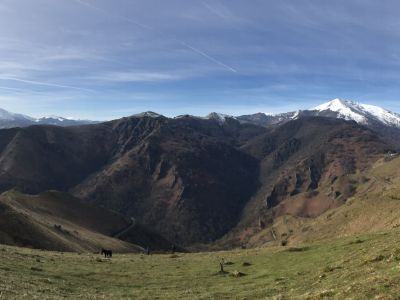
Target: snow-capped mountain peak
[
  {"x": 385, "y": 116},
  {"x": 361, "y": 113},
  {"x": 335, "y": 104},
  {"x": 345, "y": 109},
  {"x": 53, "y": 118},
  {"x": 9, "y": 120},
  {"x": 9, "y": 116},
  {"x": 150, "y": 114},
  {"x": 220, "y": 118},
  {"x": 5, "y": 115}
]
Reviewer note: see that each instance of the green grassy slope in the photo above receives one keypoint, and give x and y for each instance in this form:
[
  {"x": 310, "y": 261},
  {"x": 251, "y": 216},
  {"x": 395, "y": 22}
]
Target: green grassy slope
[
  {"x": 374, "y": 207},
  {"x": 357, "y": 267},
  {"x": 31, "y": 220}
]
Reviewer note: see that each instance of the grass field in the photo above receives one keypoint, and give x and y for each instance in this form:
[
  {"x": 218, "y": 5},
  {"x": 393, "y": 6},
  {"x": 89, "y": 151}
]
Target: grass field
[{"x": 357, "y": 267}]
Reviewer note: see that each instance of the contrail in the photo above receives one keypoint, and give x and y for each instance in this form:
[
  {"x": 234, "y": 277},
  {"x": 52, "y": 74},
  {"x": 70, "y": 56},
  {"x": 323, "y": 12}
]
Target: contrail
[
  {"x": 44, "y": 83},
  {"x": 207, "y": 56},
  {"x": 160, "y": 33}
]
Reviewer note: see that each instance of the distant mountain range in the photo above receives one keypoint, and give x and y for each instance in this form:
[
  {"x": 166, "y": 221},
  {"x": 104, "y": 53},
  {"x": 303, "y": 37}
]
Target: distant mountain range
[
  {"x": 380, "y": 120},
  {"x": 10, "y": 120},
  {"x": 363, "y": 114}
]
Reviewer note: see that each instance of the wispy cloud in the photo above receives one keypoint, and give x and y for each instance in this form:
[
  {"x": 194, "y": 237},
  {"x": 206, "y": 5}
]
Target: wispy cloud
[
  {"x": 136, "y": 77},
  {"x": 42, "y": 83},
  {"x": 116, "y": 16},
  {"x": 223, "y": 12},
  {"x": 215, "y": 11},
  {"x": 179, "y": 56},
  {"x": 11, "y": 89},
  {"x": 161, "y": 34}
]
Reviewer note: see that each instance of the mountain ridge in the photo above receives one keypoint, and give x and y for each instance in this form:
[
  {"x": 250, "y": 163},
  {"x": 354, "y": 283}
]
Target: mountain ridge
[
  {"x": 365, "y": 114},
  {"x": 11, "y": 120},
  {"x": 192, "y": 180}
]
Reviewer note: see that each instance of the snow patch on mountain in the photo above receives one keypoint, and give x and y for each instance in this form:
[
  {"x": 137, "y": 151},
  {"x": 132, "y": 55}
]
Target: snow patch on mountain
[
  {"x": 149, "y": 114},
  {"x": 8, "y": 116},
  {"x": 295, "y": 115},
  {"x": 383, "y": 115},
  {"x": 10, "y": 120},
  {"x": 346, "y": 110},
  {"x": 220, "y": 118},
  {"x": 53, "y": 118},
  {"x": 361, "y": 113}
]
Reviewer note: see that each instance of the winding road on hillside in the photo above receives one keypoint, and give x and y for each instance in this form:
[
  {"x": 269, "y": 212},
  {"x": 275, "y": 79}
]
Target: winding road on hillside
[{"x": 125, "y": 230}]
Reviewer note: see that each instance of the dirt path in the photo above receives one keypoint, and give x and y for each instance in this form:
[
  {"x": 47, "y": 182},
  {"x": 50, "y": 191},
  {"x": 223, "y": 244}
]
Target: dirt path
[{"x": 123, "y": 231}]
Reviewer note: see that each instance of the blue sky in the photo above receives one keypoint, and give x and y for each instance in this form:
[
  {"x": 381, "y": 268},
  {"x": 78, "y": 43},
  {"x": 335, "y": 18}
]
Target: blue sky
[{"x": 103, "y": 59}]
